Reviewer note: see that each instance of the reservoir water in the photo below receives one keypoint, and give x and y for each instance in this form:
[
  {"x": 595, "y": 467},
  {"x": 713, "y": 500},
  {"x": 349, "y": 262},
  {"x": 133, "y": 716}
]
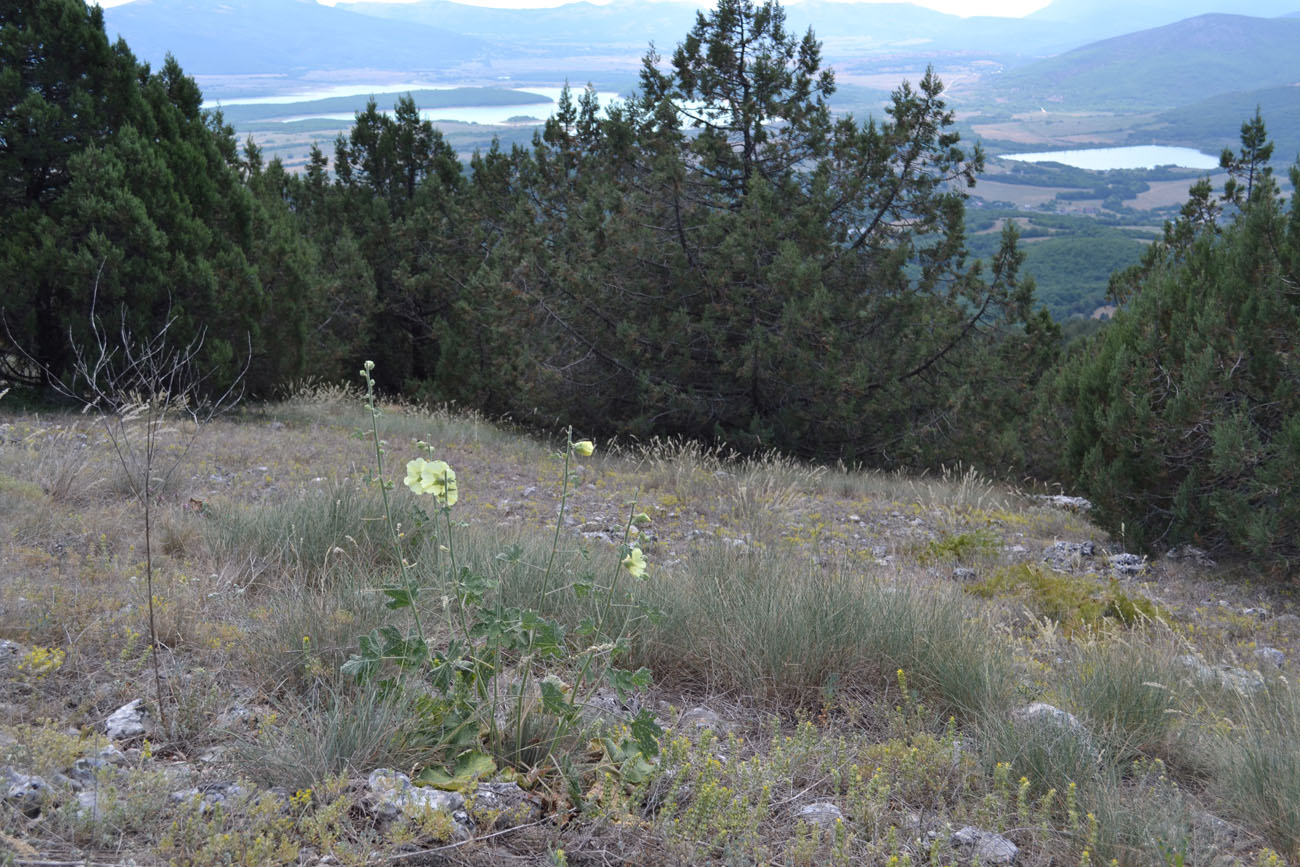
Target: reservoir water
[
  {"x": 387, "y": 94},
  {"x": 1140, "y": 157}
]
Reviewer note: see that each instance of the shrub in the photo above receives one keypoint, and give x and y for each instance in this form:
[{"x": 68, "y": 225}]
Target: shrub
[
  {"x": 1075, "y": 602},
  {"x": 1183, "y": 416}
]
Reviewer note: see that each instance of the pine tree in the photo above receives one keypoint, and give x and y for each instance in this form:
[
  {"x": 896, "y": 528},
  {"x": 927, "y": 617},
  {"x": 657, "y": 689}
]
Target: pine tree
[
  {"x": 717, "y": 258},
  {"x": 1183, "y": 417},
  {"x": 1248, "y": 169},
  {"x": 123, "y": 198}
]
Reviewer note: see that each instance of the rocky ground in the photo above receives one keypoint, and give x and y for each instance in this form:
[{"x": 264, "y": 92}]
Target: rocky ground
[{"x": 90, "y": 773}]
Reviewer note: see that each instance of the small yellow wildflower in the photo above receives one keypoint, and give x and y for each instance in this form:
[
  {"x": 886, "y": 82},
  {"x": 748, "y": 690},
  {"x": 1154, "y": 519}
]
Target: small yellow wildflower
[
  {"x": 635, "y": 563},
  {"x": 40, "y": 661},
  {"x": 584, "y": 448}
]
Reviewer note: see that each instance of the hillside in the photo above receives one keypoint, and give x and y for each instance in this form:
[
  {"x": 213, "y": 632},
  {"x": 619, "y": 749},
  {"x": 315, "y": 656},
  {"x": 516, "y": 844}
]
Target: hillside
[
  {"x": 1165, "y": 67},
  {"x": 1212, "y": 123},
  {"x": 848, "y": 667}
]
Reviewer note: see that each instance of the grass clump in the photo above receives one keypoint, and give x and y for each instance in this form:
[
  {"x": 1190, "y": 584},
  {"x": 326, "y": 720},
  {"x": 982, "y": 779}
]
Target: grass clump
[
  {"x": 1128, "y": 695},
  {"x": 1259, "y": 765},
  {"x": 314, "y": 536},
  {"x": 784, "y": 629},
  {"x": 346, "y": 732},
  {"x": 1074, "y": 602}
]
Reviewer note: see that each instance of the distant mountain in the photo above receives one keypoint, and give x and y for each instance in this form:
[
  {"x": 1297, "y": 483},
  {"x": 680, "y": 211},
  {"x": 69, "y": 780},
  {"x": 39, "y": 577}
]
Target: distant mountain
[
  {"x": 904, "y": 28},
  {"x": 847, "y": 29},
  {"x": 1161, "y": 68},
  {"x": 629, "y": 25},
  {"x": 282, "y": 36},
  {"x": 1117, "y": 17}
]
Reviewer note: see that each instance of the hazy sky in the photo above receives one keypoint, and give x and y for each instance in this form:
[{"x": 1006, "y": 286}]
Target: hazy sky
[{"x": 1013, "y": 8}]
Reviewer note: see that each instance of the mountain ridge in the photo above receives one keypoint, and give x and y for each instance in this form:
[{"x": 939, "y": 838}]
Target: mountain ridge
[
  {"x": 1177, "y": 64},
  {"x": 285, "y": 36}
]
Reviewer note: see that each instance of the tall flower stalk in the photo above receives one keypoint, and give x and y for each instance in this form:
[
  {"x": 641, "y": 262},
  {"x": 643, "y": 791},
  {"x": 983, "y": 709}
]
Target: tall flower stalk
[
  {"x": 409, "y": 585},
  {"x": 488, "y": 641}
]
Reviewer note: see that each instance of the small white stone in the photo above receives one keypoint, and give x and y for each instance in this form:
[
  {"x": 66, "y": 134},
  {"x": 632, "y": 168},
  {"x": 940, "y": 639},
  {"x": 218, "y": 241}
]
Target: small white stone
[
  {"x": 1271, "y": 655},
  {"x": 823, "y": 814},
  {"x": 397, "y": 795},
  {"x": 128, "y": 721},
  {"x": 990, "y": 848}
]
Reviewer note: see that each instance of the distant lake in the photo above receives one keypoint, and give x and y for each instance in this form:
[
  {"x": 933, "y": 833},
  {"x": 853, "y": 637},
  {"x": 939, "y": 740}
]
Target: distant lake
[
  {"x": 322, "y": 92},
  {"x": 1141, "y": 157},
  {"x": 482, "y": 114}
]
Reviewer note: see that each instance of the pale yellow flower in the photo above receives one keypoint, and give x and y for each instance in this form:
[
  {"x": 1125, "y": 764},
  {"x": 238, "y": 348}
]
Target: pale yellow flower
[
  {"x": 440, "y": 480},
  {"x": 414, "y": 472},
  {"x": 635, "y": 563},
  {"x": 584, "y": 448}
]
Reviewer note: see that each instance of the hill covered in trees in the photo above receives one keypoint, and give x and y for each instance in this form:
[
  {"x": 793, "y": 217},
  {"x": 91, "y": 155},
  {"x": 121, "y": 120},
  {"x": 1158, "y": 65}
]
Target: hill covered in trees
[{"x": 719, "y": 258}]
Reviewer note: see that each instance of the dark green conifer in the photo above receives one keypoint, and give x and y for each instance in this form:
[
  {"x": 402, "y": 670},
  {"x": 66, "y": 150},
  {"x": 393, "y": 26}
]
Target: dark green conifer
[{"x": 1183, "y": 417}]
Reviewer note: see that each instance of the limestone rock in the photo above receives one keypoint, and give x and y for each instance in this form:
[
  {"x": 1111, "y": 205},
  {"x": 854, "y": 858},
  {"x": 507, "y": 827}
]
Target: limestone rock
[
  {"x": 28, "y": 792},
  {"x": 503, "y": 805},
  {"x": 129, "y": 721},
  {"x": 824, "y": 814},
  {"x": 1067, "y": 556},
  {"x": 1189, "y": 553},
  {"x": 88, "y": 806},
  {"x": 85, "y": 769},
  {"x": 10, "y": 653},
  {"x": 1061, "y": 726},
  {"x": 210, "y": 795},
  {"x": 237, "y": 717},
  {"x": 1270, "y": 655},
  {"x": 1061, "y": 501},
  {"x": 1227, "y": 676},
  {"x": 990, "y": 848},
  {"x": 1127, "y": 565},
  {"x": 702, "y": 718},
  {"x": 394, "y": 796},
  {"x": 1042, "y": 713}
]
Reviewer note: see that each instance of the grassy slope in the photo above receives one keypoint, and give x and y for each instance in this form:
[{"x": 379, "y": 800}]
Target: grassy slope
[{"x": 789, "y": 598}]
